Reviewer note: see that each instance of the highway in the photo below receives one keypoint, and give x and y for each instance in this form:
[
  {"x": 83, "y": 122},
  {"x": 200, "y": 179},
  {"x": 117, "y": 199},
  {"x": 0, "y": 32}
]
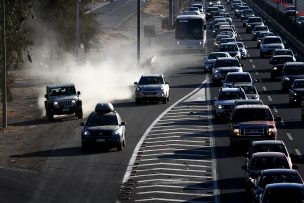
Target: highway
[{"x": 198, "y": 149}]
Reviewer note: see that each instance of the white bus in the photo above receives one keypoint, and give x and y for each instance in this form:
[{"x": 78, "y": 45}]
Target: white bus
[{"x": 190, "y": 32}]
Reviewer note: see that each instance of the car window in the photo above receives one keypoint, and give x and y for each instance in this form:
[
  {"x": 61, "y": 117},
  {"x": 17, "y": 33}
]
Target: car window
[
  {"x": 60, "y": 91},
  {"x": 281, "y": 60},
  {"x": 230, "y": 47},
  {"x": 270, "y": 148},
  {"x": 231, "y": 95},
  {"x": 100, "y": 119},
  {"x": 228, "y": 63},
  {"x": 252, "y": 114},
  {"x": 238, "y": 78},
  {"x": 294, "y": 70},
  {"x": 279, "y": 178},
  {"x": 272, "y": 40},
  {"x": 298, "y": 84},
  {"x": 262, "y": 163},
  {"x": 249, "y": 89},
  {"x": 150, "y": 80}
]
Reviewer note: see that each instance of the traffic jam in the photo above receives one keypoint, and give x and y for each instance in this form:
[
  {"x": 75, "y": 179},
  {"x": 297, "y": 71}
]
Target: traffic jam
[{"x": 271, "y": 176}]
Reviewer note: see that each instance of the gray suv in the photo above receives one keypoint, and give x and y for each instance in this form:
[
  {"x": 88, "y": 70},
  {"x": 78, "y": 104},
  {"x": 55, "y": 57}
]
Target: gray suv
[{"x": 62, "y": 99}]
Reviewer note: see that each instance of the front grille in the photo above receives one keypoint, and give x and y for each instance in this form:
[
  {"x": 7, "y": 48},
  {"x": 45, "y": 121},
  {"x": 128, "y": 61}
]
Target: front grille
[
  {"x": 65, "y": 104},
  {"x": 149, "y": 93},
  {"x": 253, "y": 131},
  {"x": 99, "y": 134},
  {"x": 227, "y": 107}
]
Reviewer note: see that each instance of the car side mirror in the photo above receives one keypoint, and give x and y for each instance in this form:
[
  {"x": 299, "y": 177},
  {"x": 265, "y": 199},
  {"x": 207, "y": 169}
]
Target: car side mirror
[
  {"x": 244, "y": 167},
  {"x": 135, "y": 83},
  {"x": 123, "y": 123},
  {"x": 277, "y": 118},
  {"x": 255, "y": 80},
  {"x": 78, "y": 93},
  {"x": 81, "y": 123}
]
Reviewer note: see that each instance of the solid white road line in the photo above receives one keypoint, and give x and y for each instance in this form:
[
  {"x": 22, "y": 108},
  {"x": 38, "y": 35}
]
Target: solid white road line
[{"x": 289, "y": 136}]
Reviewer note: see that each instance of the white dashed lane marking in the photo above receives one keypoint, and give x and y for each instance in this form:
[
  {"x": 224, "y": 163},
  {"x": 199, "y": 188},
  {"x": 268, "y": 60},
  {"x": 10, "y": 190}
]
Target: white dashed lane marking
[
  {"x": 289, "y": 136},
  {"x": 298, "y": 152},
  {"x": 269, "y": 98}
]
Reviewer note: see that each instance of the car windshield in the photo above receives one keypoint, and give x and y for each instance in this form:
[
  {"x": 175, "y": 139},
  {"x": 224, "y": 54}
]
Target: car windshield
[
  {"x": 269, "y": 148},
  {"x": 279, "y": 178},
  {"x": 272, "y": 40},
  {"x": 232, "y": 78},
  {"x": 249, "y": 89},
  {"x": 228, "y": 63},
  {"x": 282, "y": 52},
  {"x": 231, "y": 95},
  {"x": 281, "y": 60},
  {"x": 254, "y": 20},
  {"x": 294, "y": 70},
  {"x": 269, "y": 162},
  {"x": 216, "y": 55},
  {"x": 298, "y": 84},
  {"x": 283, "y": 195},
  {"x": 229, "y": 47},
  {"x": 150, "y": 80},
  {"x": 62, "y": 91},
  {"x": 225, "y": 40},
  {"x": 101, "y": 119},
  {"x": 260, "y": 28},
  {"x": 252, "y": 114}
]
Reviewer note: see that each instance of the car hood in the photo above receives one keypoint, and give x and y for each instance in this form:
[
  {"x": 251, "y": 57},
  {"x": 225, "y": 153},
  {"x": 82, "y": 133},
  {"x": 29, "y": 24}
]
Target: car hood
[
  {"x": 103, "y": 128},
  {"x": 225, "y": 102},
  {"x": 151, "y": 87},
  {"x": 228, "y": 68},
  {"x": 272, "y": 45},
  {"x": 63, "y": 98},
  {"x": 253, "y": 123}
]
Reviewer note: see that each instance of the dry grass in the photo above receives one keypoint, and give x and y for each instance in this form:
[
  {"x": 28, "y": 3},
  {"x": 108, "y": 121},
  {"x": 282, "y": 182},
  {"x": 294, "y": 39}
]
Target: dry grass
[{"x": 157, "y": 7}]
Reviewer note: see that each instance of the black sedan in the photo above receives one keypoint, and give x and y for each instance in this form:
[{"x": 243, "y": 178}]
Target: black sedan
[
  {"x": 269, "y": 176},
  {"x": 296, "y": 92},
  {"x": 104, "y": 126}
]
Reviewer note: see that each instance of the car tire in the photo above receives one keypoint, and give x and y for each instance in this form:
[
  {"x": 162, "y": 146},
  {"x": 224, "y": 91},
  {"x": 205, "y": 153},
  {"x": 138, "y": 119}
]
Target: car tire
[
  {"x": 164, "y": 100},
  {"x": 137, "y": 101},
  {"x": 272, "y": 78},
  {"x": 50, "y": 116},
  {"x": 79, "y": 114},
  {"x": 84, "y": 146},
  {"x": 168, "y": 99},
  {"x": 120, "y": 146}
]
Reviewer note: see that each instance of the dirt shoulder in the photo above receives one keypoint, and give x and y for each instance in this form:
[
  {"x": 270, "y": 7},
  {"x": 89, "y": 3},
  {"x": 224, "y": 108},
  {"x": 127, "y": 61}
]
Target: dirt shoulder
[{"x": 27, "y": 128}]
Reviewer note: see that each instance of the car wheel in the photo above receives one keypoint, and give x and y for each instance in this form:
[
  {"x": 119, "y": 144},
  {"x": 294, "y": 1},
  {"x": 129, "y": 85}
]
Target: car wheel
[
  {"x": 124, "y": 142},
  {"x": 272, "y": 78},
  {"x": 120, "y": 146},
  {"x": 168, "y": 99},
  {"x": 164, "y": 100},
  {"x": 84, "y": 146},
  {"x": 50, "y": 115},
  {"x": 79, "y": 113}
]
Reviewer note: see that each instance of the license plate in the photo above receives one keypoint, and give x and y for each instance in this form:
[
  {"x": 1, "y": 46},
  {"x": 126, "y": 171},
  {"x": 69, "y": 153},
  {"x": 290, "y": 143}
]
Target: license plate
[
  {"x": 100, "y": 140},
  {"x": 66, "y": 109}
]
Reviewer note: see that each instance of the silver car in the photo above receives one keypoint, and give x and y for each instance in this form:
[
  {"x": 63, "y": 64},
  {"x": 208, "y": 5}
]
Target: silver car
[
  {"x": 243, "y": 49},
  {"x": 210, "y": 60},
  {"x": 152, "y": 88},
  {"x": 269, "y": 44}
]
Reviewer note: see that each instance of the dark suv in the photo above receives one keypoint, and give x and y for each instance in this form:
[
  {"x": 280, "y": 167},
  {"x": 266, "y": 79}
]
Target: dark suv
[
  {"x": 252, "y": 122},
  {"x": 62, "y": 99},
  {"x": 277, "y": 62},
  {"x": 291, "y": 71}
]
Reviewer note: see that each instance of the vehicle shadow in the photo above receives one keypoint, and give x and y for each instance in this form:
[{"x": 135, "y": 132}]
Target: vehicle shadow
[
  {"x": 203, "y": 153},
  {"x": 65, "y": 152},
  {"x": 43, "y": 121}
]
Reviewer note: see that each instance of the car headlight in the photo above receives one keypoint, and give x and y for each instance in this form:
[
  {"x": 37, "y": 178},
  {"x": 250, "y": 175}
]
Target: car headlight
[
  {"x": 220, "y": 106},
  {"x": 73, "y": 102},
  {"x": 274, "y": 68},
  {"x": 138, "y": 89},
  {"x": 200, "y": 42},
  {"x": 236, "y": 132},
  {"x": 86, "y": 133},
  {"x": 55, "y": 104},
  {"x": 271, "y": 131},
  {"x": 286, "y": 78},
  {"x": 294, "y": 93},
  {"x": 178, "y": 42},
  {"x": 216, "y": 71}
]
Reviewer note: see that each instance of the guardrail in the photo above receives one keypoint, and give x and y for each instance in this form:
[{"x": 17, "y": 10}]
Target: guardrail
[{"x": 295, "y": 43}]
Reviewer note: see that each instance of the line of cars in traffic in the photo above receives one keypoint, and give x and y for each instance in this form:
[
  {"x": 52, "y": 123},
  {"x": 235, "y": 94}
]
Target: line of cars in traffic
[{"x": 270, "y": 174}]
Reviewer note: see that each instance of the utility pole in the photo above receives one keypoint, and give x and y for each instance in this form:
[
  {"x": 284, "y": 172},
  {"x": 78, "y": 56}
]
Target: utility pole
[
  {"x": 77, "y": 31},
  {"x": 138, "y": 33},
  {"x": 4, "y": 87},
  {"x": 296, "y": 5}
]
